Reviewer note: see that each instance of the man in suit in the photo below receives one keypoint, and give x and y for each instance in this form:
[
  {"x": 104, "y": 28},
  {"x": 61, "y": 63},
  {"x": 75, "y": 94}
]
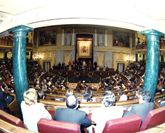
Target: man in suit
[
  {"x": 143, "y": 108},
  {"x": 72, "y": 114},
  {"x": 3, "y": 104}
]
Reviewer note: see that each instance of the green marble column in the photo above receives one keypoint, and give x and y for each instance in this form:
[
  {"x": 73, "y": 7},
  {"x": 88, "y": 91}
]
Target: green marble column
[
  {"x": 152, "y": 61},
  {"x": 19, "y": 61}
]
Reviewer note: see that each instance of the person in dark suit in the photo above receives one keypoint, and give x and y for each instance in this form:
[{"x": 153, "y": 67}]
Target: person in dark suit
[
  {"x": 143, "y": 108},
  {"x": 72, "y": 114},
  {"x": 5, "y": 100},
  {"x": 3, "y": 104}
]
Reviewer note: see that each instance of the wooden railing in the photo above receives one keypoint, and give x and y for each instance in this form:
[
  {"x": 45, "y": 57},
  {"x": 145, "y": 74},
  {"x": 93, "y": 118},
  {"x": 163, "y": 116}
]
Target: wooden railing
[
  {"x": 158, "y": 129},
  {"x": 55, "y": 104},
  {"x": 6, "y": 127}
]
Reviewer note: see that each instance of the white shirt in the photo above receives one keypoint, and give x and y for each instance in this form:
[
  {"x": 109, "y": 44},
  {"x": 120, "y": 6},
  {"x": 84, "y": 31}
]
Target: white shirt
[
  {"x": 32, "y": 114},
  {"x": 123, "y": 97},
  {"x": 103, "y": 114}
]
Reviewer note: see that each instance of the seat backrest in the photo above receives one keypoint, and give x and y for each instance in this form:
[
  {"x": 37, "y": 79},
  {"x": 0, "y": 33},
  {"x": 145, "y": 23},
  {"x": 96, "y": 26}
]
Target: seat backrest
[
  {"x": 51, "y": 112},
  {"x": 11, "y": 119},
  {"x": 129, "y": 124},
  {"x": 154, "y": 118},
  {"x": 52, "y": 126}
]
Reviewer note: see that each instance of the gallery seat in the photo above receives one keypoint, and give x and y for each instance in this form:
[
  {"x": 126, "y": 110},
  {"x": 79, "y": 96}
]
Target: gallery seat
[
  {"x": 11, "y": 119},
  {"x": 52, "y": 126},
  {"x": 154, "y": 118},
  {"x": 128, "y": 124}
]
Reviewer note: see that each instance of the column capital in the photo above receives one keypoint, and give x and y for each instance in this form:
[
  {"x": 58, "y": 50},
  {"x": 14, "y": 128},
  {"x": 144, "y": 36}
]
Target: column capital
[
  {"x": 152, "y": 32},
  {"x": 22, "y": 28}
]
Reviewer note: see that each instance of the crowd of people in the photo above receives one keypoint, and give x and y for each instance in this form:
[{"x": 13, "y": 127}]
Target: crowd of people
[
  {"x": 113, "y": 87},
  {"x": 6, "y": 87},
  {"x": 77, "y": 65},
  {"x": 72, "y": 113}
]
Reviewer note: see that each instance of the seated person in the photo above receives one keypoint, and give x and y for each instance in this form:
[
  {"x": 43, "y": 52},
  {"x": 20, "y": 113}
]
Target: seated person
[
  {"x": 5, "y": 100},
  {"x": 109, "y": 98},
  {"x": 88, "y": 94},
  {"x": 32, "y": 111},
  {"x": 107, "y": 88},
  {"x": 161, "y": 102},
  {"x": 41, "y": 94},
  {"x": 106, "y": 112},
  {"x": 72, "y": 114},
  {"x": 142, "y": 109},
  {"x": 78, "y": 87},
  {"x": 123, "y": 96},
  {"x": 3, "y": 104},
  {"x": 163, "y": 91},
  {"x": 69, "y": 92}
]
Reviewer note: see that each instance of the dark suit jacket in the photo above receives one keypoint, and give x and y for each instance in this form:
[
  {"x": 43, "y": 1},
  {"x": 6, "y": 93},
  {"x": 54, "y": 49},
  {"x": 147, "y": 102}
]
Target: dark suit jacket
[
  {"x": 3, "y": 104},
  {"x": 73, "y": 116}
]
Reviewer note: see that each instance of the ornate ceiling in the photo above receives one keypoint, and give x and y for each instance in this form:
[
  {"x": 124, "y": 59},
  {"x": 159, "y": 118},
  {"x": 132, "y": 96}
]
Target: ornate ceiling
[{"x": 136, "y": 15}]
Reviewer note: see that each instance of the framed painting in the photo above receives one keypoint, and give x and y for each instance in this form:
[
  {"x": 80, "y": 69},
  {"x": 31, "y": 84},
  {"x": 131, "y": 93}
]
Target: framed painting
[
  {"x": 84, "y": 48},
  {"x": 47, "y": 37},
  {"x": 121, "y": 39}
]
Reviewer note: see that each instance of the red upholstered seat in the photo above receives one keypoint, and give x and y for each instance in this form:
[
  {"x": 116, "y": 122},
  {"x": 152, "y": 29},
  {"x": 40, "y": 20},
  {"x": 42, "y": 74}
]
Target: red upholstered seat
[
  {"x": 128, "y": 124},
  {"x": 52, "y": 126},
  {"x": 52, "y": 112},
  {"x": 154, "y": 118},
  {"x": 11, "y": 119}
]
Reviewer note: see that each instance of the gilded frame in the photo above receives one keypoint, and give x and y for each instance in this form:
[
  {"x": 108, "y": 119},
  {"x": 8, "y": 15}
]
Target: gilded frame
[{"x": 84, "y": 48}]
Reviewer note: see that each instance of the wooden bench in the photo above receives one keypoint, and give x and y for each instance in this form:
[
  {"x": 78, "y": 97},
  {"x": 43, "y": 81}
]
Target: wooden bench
[
  {"x": 55, "y": 104},
  {"x": 6, "y": 127},
  {"x": 11, "y": 119}
]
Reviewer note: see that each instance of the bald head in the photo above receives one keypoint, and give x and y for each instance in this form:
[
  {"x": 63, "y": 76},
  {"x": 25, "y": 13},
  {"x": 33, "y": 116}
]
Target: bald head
[{"x": 71, "y": 102}]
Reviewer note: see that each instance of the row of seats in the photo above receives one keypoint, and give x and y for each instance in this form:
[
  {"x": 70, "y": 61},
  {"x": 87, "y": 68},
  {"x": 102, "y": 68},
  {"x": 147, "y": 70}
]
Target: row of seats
[
  {"x": 44, "y": 125},
  {"x": 126, "y": 124},
  {"x": 134, "y": 123}
]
